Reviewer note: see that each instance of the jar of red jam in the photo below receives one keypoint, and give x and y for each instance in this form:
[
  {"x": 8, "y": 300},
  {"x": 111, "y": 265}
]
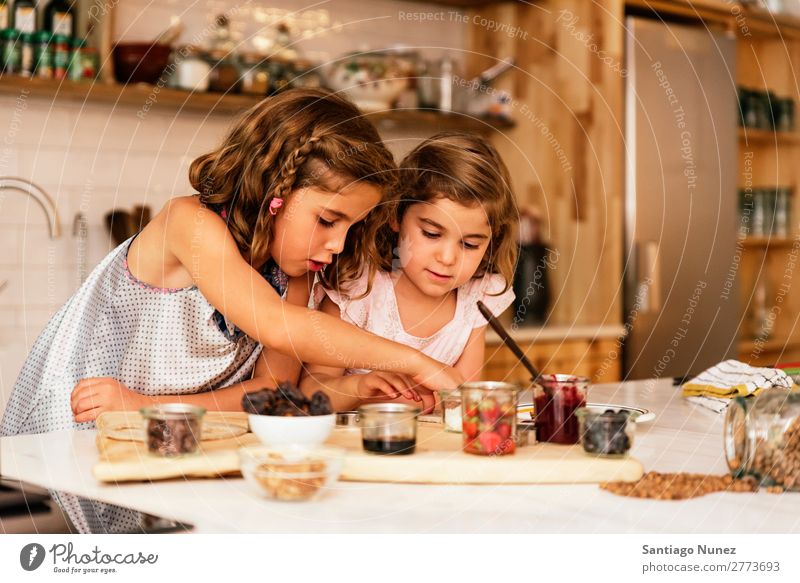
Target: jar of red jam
[
  {"x": 489, "y": 417},
  {"x": 556, "y": 399}
]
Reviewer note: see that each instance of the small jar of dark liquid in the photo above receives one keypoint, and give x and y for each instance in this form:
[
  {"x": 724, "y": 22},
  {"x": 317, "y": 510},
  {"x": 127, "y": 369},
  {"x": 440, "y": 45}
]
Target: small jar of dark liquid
[
  {"x": 556, "y": 399},
  {"x": 388, "y": 428}
]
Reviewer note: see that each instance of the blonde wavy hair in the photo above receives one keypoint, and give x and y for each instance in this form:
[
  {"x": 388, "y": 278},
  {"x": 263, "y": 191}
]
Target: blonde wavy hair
[
  {"x": 465, "y": 169},
  {"x": 298, "y": 138}
]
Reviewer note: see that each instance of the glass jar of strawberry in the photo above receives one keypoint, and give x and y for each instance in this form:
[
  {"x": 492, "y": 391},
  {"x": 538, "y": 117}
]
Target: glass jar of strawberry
[{"x": 489, "y": 417}]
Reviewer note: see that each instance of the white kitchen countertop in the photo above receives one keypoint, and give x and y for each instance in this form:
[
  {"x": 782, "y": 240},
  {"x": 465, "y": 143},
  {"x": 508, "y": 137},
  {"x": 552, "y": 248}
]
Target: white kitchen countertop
[
  {"x": 683, "y": 437},
  {"x": 558, "y": 333}
]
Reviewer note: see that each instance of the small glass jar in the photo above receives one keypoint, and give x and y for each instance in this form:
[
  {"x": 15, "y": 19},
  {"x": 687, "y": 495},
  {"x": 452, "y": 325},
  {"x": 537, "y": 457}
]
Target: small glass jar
[
  {"x": 762, "y": 438},
  {"x": 556, "y": 399},
  {"x": 224, "y": 74},
  {"x": 254, "y": 75},
  {"x": 489, "y": 414},
  {"x": 10, "y": 51},
  {"x": 191, "y": 69},
  {"x": 60, "y": 56},
  {"x": 75, "y": 66},
  {"x": 42, "y": 55},
  {"x": 172, "y": 429},
  {"x": 606, "y": 433},
  {"x": 388, "y": 428},
  {"x": 451, "y": 410}
]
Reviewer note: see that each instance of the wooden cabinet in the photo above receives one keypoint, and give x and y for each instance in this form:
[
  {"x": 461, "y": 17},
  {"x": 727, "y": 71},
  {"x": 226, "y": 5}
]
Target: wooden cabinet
[{"x": 598, "y": 359}]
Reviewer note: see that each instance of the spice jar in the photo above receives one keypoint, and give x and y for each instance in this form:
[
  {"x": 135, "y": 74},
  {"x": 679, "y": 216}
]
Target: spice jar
[
  {"x": 489, "y": 412},
  {"x": 172, "y": 429},
  {"x": 762, "y": 438},
  {"x": 191, "y": 70},
  {"x": 11, "y": 53},
  {"x": 224, "y": 75},
  {"x": 42, "y": 55},
  {"x": 388, "y": 428},
  {"x": 451, "y": 410},
  {"x": 254, "y": 75},
  {"x": 26, "y": 54},
  {"x": 75, "y": 66},
  {"x": 556, "y": 399},
  {"x": 60, "y": 56}
]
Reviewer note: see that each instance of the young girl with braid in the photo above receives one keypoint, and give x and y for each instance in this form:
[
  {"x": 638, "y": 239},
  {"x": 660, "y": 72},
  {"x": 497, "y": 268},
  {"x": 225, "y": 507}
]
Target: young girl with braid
[{"x": 209, "y": 301}]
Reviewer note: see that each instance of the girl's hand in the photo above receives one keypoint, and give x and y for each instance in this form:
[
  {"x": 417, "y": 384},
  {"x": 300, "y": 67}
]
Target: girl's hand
[
  {"x": 388, "y": 384},
  {"x": 93, "y": 396},
  {"x": 439, "y": 377}
]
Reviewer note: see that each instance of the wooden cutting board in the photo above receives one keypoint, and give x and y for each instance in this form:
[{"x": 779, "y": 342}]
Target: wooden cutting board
[
  {"x": 438, "y": 459},
  {"x": 125, "y": 460}
]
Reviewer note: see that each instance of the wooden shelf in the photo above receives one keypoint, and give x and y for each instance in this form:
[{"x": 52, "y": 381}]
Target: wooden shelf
[
  {"x": 144, "y": 97},
  {"x": 767, "y": 242},
  {"x": 771, "y": 345},
  {"x": 752, "y": 136}
]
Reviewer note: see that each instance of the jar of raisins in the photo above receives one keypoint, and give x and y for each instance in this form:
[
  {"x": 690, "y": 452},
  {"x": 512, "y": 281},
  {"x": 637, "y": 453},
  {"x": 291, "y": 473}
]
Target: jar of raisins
[
  {"x": 172, "y": 429},
  {"x": 489, "y": 417},
  {"x": 762, "y": 438}
]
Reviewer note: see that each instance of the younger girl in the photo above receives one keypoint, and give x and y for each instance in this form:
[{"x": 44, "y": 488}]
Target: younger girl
[
  {"x": 448, "y": 245},
  {"x": 181, "y": 311}
]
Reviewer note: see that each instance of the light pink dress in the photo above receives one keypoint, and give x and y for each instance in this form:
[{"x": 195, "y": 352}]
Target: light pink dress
[{"x": 378, "y": 313}]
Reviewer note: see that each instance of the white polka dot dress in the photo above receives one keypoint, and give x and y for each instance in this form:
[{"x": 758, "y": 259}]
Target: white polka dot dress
[{"x": 155, "y": 341}]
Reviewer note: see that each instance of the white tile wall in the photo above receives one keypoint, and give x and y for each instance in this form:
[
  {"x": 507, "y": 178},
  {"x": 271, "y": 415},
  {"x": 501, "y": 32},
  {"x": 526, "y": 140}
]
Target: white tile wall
[{"x": 94, "y": 157}]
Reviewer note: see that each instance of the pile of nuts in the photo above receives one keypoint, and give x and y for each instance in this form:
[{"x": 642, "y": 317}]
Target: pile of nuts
[
  {"x": 286, "y": 401},
  {"x": 679, "y": 486},
  {"x": 291, "y": 481},
  {"x": 777, "y": 461}
]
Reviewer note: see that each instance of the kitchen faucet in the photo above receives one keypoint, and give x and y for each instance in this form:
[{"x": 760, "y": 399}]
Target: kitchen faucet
[{"x": 40, "y": 196}]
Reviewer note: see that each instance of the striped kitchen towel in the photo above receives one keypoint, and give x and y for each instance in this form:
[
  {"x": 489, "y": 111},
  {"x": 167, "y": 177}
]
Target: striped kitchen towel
[{"x": 715, "y": 387}]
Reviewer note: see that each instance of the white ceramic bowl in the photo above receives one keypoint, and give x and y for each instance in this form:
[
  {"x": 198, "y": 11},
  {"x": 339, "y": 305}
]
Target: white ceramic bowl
[{"x": 307, "y": 431}]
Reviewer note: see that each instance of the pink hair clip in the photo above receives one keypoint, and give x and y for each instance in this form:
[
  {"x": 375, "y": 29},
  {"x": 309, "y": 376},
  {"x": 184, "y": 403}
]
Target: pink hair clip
[{"x": 274, "y": 205}]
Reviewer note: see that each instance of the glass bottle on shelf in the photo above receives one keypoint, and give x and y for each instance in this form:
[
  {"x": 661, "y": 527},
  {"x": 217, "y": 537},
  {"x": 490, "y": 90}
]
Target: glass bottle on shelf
[
  {"x": 783, "y": 201},
  {"x": 59, "y": 17},
  {"x": 224, "y": 75},
  {"x": 4, "y": 19},
  {"x": 24, "y": 16},
  {"x": 761, "y": 321}
]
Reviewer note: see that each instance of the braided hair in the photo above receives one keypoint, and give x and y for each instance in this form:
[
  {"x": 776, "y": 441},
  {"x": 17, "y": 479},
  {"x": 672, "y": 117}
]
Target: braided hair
[{"x": 298, "y": 138}]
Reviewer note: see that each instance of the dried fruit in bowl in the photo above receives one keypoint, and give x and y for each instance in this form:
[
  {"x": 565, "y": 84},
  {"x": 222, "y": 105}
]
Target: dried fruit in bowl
[{"x": 286, "y": 401}]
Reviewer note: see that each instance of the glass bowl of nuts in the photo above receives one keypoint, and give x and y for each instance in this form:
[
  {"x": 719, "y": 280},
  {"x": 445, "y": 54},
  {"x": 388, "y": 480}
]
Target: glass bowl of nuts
[{"x": 291, "y": 473}]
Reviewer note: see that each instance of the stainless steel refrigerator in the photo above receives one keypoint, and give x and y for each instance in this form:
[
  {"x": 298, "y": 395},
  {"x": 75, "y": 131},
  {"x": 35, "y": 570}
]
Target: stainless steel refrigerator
[{"x": 680, "y": 199}]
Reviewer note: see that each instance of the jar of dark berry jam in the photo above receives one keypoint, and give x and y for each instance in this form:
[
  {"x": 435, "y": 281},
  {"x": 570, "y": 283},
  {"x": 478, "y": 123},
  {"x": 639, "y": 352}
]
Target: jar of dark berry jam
[
  {"x": 489, "y": 417},
  {"x": 556, "y": 399}
]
